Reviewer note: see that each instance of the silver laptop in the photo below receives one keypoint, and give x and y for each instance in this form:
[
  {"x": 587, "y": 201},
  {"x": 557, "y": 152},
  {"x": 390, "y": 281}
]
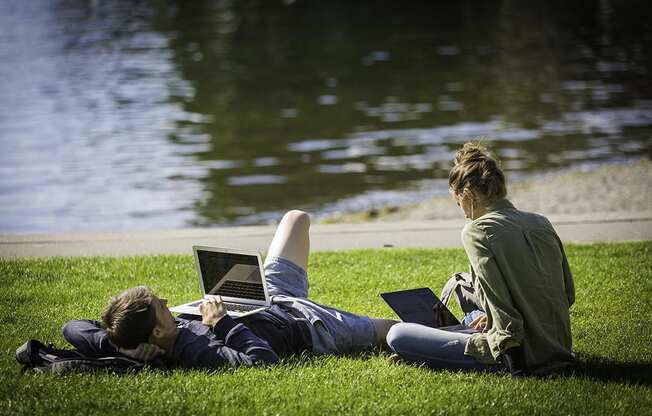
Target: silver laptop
[{"x": 236, "y": 275}]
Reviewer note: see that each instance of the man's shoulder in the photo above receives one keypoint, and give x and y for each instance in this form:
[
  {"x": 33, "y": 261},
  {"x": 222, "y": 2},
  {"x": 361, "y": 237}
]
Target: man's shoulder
[
  {"x": 190, "y": 330},
  {"x": 193, "y": 324}
]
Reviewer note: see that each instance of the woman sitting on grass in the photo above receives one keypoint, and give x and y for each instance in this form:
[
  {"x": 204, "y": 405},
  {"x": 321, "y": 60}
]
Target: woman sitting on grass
[{"x": 520, "y": 283}]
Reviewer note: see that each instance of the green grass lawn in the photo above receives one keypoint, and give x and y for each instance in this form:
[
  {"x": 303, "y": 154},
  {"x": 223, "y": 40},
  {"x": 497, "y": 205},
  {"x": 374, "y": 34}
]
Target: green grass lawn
[{"x": 611, "y": 322}]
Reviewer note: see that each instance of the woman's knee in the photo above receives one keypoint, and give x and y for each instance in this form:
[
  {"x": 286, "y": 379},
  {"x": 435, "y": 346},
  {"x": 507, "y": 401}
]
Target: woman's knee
[{"x": 397, "y": 336}]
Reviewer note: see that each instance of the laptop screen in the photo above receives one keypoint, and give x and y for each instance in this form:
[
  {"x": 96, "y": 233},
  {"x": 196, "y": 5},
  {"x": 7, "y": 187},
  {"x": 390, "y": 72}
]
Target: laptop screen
[
  {"x": 230, "y": 274},
  {"x": 420, "y": 306}
]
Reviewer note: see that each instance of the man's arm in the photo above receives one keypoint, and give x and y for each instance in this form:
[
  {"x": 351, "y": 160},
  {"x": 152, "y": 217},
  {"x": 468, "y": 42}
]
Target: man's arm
[
  {"x": 88, "y": 337},
  {"x": 233, "y": 343}
]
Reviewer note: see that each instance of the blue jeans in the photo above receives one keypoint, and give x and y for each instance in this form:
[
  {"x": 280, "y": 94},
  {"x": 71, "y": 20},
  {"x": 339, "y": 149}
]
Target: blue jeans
[{"x": 435, "y": 347}]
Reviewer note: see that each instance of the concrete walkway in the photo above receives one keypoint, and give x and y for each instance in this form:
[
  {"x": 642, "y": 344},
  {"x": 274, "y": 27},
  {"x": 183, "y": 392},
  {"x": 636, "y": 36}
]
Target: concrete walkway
[{"x": 579, "y": 229}]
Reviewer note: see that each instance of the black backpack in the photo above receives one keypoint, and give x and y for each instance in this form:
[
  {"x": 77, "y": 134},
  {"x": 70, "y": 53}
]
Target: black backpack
[{"x": 41, "y": 358}]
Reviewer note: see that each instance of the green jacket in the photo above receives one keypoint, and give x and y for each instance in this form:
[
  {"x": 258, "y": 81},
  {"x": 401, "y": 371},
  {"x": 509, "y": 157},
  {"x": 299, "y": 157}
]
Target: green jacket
[{"x": 522, "y": 277}]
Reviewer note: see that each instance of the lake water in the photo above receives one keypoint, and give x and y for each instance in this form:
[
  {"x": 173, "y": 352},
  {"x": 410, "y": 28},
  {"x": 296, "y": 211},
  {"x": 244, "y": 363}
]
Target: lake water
[{"x": 149, "y": 114}]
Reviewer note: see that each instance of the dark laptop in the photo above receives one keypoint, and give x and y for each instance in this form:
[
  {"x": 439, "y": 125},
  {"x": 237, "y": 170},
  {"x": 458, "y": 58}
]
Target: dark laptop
[
  {"x": 422, "y": 306},
  {"x": 235, "y": 275}
]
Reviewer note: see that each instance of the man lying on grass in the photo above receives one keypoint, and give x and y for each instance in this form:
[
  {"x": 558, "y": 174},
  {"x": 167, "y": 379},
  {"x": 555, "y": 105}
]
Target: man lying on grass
[{"x": 138, "y": 324}]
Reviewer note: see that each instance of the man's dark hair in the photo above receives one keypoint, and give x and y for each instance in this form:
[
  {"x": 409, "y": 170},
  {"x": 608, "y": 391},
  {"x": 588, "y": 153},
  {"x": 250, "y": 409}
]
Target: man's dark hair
[{"x": 129, "y": 317}]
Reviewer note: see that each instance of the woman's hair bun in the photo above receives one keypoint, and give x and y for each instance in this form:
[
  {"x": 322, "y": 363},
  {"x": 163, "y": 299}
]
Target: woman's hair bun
[
  {"x": 471, "y": 152},
  {"x": 476, "y": 171}
]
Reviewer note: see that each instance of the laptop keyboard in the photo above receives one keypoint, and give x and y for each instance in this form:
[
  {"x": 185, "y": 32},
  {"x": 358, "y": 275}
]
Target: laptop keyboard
[
  {"x": 238, "y": 289},
  {"x": 233, "y": 307},
  {"x": 240, "y": 307}
]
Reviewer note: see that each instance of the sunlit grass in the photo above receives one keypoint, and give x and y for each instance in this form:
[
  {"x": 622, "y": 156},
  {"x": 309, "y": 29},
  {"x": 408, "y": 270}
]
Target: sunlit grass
[{"x": 612, "y": 337}]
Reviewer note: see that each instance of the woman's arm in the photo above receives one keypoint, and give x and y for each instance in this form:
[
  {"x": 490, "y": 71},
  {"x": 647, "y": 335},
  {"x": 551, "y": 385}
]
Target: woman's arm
[{"x": 504, "y": 322}]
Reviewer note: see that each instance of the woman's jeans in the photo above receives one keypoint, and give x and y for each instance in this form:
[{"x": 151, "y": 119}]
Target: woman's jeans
[
  {"x": 434, "y": 347},
  {"x": 438, "y": 348}
]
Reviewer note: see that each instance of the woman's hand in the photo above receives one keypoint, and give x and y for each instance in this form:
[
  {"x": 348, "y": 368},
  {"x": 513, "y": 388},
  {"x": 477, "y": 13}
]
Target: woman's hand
[{"x": 480, "y": 322}]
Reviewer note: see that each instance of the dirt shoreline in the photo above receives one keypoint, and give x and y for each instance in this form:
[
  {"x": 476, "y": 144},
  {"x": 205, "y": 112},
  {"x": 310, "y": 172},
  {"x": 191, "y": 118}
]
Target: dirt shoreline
[{"x": 612, "y": 191}]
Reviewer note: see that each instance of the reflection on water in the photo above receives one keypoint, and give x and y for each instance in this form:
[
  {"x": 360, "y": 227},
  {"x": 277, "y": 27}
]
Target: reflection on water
[{"x": 167, "y": 114}]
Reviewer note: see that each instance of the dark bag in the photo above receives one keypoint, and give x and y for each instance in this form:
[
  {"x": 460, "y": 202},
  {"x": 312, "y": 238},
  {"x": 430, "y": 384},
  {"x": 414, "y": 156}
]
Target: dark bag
[
  {"x": 41, "y": 358},
  {"x": 513, "y": 359}
]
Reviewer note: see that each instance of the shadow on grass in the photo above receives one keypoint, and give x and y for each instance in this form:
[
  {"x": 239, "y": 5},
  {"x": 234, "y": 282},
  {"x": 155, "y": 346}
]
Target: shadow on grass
[
  {"x": 591, "y": 367},
  {"x": 310, "y": 359},
  {"x": 292, "y": 362},
  {"x": 607, "y": 370}
]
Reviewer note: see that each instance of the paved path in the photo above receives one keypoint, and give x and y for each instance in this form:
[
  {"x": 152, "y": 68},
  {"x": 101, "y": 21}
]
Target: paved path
[{"x": 323, "y": 237}]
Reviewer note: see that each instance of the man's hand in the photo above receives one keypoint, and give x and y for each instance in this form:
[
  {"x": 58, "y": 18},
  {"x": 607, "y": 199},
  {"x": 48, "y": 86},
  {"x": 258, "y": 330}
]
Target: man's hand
[
  {"x": 480, "y": 322},
  {"x": 212, "y": 310},
  {"x": 144, "y": 352}
]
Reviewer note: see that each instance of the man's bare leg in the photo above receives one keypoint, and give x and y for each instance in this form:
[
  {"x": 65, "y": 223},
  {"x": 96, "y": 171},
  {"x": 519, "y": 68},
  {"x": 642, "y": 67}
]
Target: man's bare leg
[
  {"x": 291, "y": 240},
  {"x": 382, "y": 328}
]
